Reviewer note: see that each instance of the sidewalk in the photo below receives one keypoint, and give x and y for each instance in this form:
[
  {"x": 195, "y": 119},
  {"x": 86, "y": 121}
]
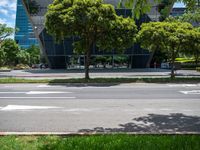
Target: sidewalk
[{"x": 96, "y": 73}]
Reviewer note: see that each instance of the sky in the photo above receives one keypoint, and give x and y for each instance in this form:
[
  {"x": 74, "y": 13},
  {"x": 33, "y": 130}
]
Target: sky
[{"x": 8, "y": 12}]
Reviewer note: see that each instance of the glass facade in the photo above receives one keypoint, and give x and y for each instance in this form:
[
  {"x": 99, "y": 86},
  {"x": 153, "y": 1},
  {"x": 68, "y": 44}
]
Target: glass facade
[
  {"x": 25, "y": 36},
  {"x": 62, "y": 55}
]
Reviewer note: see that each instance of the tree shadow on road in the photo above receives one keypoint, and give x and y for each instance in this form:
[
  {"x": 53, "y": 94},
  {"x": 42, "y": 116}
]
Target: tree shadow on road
[{"x": 156, "y": 123}]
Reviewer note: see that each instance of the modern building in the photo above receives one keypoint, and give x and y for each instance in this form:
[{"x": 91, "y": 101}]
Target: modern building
[
  {"x": 24, "y": 36},
  {"x": 62, "y": 55}
]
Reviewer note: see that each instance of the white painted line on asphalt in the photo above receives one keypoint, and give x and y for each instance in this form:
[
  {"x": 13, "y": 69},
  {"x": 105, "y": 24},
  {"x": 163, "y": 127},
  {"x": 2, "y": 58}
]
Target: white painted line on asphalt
[
  {"x": 191, "y": 92},
  {"x": 59, "y": 86},
  {"x": 12, "y": 92},
  {"x": 37, "y": 97},
  {"x": 36, "y": 92},
  {"x": 182, "y": 85},
  {"x": 46, "y": 92},
  {"x": 45, "y": 86},
  {"x": 24, "y": 107},
  {"x": 80, "y": 110}
]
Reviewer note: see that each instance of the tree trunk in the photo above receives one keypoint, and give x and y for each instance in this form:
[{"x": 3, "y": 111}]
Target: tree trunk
[
  {"x": 172, "y": 67},
  {"x": 172, "y": 71},
  {"x": 196, "y": 59},
  {"x": 87, "y": 61}
]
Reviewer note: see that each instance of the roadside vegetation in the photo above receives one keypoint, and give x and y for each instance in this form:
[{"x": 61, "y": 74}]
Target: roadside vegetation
[
  {"x": 11, "y": 55},
  {"x": 101, "y": 142},
  {"x": 103, "y": 80}
]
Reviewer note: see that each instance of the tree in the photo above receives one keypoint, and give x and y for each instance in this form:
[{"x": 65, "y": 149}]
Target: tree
[
  {"x": 170, "y": 37},
  {"x": 2, "y": 57},
  {"x": 193, "y": 44},
  {"x": 93, "y": 23},
  {"x": 5, "y": 32},
  {"x": 23, "y": 57},
  {"x": 192, "y": 17},
  {"x": 34, "y": 52},
  {"x": 10, "y": 47},
  {"x": 140, "y": 7}
]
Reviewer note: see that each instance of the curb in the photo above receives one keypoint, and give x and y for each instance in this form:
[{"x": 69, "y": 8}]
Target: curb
[{"x": 94, "y": 133}]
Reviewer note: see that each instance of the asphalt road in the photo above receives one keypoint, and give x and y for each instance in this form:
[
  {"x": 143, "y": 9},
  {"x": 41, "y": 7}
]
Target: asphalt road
[{"x": 138, "y": 107}]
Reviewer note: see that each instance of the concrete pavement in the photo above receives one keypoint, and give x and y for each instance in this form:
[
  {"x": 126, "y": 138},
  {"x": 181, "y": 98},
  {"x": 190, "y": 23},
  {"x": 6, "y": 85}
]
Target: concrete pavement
[
  {"x": 132, "y": 108},
  {"x": 96, "y": 73}
]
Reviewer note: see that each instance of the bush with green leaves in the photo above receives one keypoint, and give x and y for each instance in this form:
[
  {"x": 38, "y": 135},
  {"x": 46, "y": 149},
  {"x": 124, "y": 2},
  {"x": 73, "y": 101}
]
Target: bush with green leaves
[
  {"x": 2, "y": 57},
  {"x": 23, "y": 57},
  {"x": 10, "y": 49},
  {"x": 34, "y": 52}
]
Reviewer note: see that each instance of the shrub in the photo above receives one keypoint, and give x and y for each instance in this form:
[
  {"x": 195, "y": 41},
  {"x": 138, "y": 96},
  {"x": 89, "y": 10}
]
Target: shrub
[{"x": 21, "y": 66}]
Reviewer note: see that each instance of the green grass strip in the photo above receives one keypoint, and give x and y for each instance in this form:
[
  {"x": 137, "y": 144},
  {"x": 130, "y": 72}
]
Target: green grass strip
[
  {"x": 102, "y": 142},
  {"x": 103, "y": 80}
]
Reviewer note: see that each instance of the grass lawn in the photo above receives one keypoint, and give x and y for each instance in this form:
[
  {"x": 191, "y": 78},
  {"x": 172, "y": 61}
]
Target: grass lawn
[
  {"x": 104, "y": 80},
  {"x": 101, "y": 142},
  {"x": 185, "y": 60}
]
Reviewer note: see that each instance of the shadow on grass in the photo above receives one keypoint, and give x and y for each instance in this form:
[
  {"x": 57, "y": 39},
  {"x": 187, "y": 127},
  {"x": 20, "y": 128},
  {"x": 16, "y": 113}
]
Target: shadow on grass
[
  {"x": 116, "y": 81},
  {"x": 156, "y": 123}
]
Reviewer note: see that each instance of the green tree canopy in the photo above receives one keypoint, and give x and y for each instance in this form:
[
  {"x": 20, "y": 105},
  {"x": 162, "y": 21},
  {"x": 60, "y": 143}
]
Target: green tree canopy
[
  {"x": 34, "y": 52},
  {"x": 11, "y": 49},
  {"x": 140, "y": 7},
  {"x": 170, "y": 37},
  {"x": 5, "y": 32},
  {"x": 193, "y": 44},
  {"x": 23, "y": 57},
  {"x": 192, "y": 16},
  {"x": 93, "y": 23},
  {"x": 2, "y": 57}
]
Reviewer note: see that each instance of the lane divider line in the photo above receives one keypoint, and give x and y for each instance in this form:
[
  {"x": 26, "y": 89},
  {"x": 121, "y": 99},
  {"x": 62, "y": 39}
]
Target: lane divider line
[{"x": 37, "y": 97}]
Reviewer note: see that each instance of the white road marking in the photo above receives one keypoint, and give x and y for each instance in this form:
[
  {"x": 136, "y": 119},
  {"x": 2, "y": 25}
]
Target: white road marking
[
  {"x": 58, "y": 86},
  {"x": 79, "y": 110},
  {"x": 37, "y": 97},
  {"x": 44, "y": 86},
  {"x": 36, "y": 92},
  {"x": 46, "y": 92},
  {"x": 182, "y": 85},
  {"x": 12, "y": 92},
  {"x": 191, "y": 92},
  {"x": 24, "y": 107}
]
